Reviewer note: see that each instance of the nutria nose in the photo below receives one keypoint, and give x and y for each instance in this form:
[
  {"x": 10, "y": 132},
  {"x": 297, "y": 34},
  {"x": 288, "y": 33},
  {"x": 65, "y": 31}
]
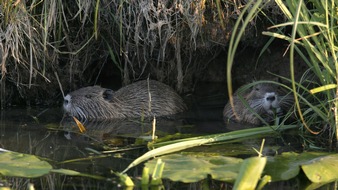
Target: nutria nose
[
  {"x": 66, "y": 99},
  {"x": 271, "y": 98}
]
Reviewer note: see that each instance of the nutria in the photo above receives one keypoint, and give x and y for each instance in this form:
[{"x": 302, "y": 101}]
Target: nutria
[
  {"x": 144, "y": 98},
  {"x": 265, "y": 99}
]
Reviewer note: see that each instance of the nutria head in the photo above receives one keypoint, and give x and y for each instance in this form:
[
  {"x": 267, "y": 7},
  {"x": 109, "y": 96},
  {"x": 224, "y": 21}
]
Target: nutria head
[
  {"x": 88, "y": 102},
  {"x": 264, "y": 96},
  {"x": 143, "y": 98},
  {"x": 264, "y": 99}
]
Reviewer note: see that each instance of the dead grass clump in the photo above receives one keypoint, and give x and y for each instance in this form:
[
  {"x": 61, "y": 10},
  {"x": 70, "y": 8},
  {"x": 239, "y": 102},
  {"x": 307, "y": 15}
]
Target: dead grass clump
[{"x": 172, "y": 41}]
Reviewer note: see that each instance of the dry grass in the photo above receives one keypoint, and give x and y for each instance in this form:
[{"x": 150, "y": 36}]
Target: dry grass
[{"x": 172, "y": 41}]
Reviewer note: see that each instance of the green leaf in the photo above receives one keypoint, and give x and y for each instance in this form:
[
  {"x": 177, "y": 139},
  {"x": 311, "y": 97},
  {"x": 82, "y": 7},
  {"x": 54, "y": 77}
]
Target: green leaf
[
  {"x": 323, "y": 88},
  {"x": 250, "y": 172},
  {"x": 183, "y": 144},
  {"x": 22, "y": 165},
  {"x": 193, "y": 168},
  {"x": 287, "y": 165},
  {"x": 322, "y": 169}
]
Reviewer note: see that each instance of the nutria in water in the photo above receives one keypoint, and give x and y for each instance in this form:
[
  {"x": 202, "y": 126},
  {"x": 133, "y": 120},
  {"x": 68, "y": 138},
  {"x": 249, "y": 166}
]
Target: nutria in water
[
  {"x": 141, "y": 98},
  {"x": 265, "y": 99}
]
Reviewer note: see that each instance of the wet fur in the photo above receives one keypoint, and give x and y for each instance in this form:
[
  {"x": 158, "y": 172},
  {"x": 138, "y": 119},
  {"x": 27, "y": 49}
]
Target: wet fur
[
  {"x": 97, "y": 103},
  {"x": 255, "y": 97}
]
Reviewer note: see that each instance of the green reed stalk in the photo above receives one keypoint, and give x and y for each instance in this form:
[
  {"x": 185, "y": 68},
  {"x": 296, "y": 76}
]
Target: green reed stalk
[
  {"x": 316, "y": 30},
  {"x": 96, "y": 16},
  {"x": 182, "y": 144},
  {"x": 236, "y": 35}
]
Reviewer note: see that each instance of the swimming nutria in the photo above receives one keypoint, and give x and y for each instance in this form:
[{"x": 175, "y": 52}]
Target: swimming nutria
[
  {"x": 134, "y": 100},
  {"x": 266, "y": 99}
]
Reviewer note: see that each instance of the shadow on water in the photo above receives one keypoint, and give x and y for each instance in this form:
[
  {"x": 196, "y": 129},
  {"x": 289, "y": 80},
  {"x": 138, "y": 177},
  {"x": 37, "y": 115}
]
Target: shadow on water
[
  {"x": 46, "y": 138},
  {"x": 58, "y": 140},
  {"x": 112, "y": 145}
]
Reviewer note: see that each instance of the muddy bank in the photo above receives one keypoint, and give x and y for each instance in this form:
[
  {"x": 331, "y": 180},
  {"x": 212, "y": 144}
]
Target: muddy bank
[{"x": 183, "y": 44}]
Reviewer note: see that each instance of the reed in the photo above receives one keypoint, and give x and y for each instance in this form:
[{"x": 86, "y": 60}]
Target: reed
[{"x": 314, "y": 38}]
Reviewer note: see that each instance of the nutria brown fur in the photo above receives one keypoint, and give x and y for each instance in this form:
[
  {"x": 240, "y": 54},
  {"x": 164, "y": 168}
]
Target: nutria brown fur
[
  {"x": 134, "y": 100},
  {"x": 266, "y": 99}
]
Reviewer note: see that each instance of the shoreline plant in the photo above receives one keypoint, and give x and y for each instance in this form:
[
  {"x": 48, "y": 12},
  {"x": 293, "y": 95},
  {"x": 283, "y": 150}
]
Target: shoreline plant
[{"x": 314, "y": 38}]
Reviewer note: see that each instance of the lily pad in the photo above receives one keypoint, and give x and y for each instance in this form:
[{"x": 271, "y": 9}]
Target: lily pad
[
  {"x": 322, "y": 169},
  {"x": 22, "y": 165},
  {"x": 191, "y": 168},
  {"x": 288, "y": 165}
]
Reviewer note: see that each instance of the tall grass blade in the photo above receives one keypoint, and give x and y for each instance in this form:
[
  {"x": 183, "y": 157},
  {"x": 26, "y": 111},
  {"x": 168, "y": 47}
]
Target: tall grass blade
[
  {"x": 96, "y": 17},
  {"x": 316, "y": 31},
  {"x": 292, "y": 45},
  {"x": 235, "y": 39}
]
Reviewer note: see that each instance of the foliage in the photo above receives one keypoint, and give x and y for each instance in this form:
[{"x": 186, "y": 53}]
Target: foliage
[
  {"x": 143, "y": 35},
  {"x": 182, "y": 144},
  {"x": 15, "y": 164},
  {"x": 282, "y": 167},
  {"x": 22, "y": 165},
  {"x": 34, "y": 35},
  {"x": 179, "y": 167},
  {"x": 314, "y": 38},
  {"x": 47, "y": 46}
]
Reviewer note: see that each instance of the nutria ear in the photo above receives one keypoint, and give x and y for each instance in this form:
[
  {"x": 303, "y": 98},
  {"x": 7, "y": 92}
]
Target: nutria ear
[{"x": 108, "y": 94}]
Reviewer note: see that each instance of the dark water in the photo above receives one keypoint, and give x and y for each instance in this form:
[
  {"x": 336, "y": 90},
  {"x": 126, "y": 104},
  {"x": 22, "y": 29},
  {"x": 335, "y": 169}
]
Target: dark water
[
  {"x": 48, "y": 137},
  {"x": 45, "y": 133}
]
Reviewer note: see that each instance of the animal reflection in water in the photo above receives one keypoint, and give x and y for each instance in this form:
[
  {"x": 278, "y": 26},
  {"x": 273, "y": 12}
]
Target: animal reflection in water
[{"x": 102, "y": 130}]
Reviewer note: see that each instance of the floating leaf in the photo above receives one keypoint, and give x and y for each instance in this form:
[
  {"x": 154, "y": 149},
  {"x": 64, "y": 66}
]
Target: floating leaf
[
  {"x": 168, "y": 149},
  {"x": 22, "y": 165},
  {"x": 183, "y": 144},
  {"x": 191, "y": 168},
  {"x": 322, "y": 169},
  {"x": 287, "y": 165}
]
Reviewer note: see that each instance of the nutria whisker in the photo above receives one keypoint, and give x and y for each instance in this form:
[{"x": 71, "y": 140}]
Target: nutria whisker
[
  {"x": 77, "y": 111},
  {"x": 287, "y": 100},
  {"x": 257, "y": 103}
]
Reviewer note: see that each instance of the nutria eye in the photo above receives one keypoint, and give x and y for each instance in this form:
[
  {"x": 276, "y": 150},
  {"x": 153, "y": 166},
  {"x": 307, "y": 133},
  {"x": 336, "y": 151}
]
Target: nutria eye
[
  {"x": 256, "y": 88},
  {"x": 88, "y": 96},
  {"x": 108, "y": 94}
]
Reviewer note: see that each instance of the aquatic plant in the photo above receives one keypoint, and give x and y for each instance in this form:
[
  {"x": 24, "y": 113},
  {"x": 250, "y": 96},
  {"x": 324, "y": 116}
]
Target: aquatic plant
[{"x": 314, "y": 38}]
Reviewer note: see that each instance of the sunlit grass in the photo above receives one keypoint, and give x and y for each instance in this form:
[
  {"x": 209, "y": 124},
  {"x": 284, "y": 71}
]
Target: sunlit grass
[{"x": 314, "y": 38}]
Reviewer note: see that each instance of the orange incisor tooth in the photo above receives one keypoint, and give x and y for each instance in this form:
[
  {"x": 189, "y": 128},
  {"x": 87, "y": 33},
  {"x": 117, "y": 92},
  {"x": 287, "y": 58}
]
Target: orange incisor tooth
[{"x": 79, "y": 125}]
